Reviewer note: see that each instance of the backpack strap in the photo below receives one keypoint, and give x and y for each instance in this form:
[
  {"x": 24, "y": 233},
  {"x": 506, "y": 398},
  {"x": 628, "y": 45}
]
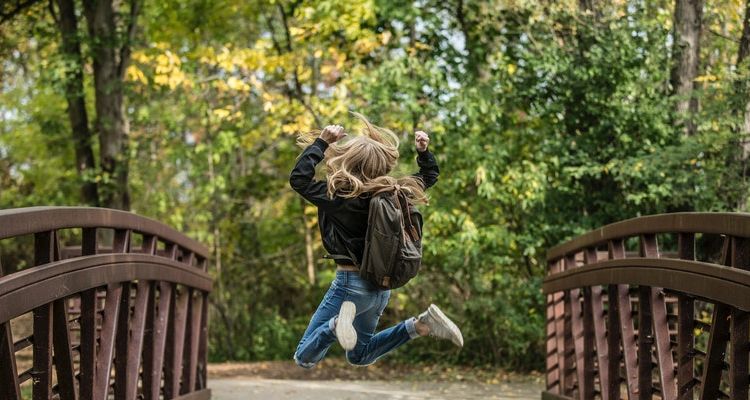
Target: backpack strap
[{"x": 403, "y": 205}]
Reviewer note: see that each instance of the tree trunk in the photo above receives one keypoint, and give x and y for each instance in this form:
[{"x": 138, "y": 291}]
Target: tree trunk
[
  {"x": 587, "y": 5},
  {"x": 743, "y": 67},
  {"x": 688, "y": 16},
  {"x": 111, "y": 123},
  {"x": 74, "y": 94},
  {"x": 742, "y": 107},
  {"x": 309, "y": 257}
]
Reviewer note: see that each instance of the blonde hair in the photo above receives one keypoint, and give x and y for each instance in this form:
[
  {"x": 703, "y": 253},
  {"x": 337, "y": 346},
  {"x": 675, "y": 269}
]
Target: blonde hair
[{"x": 361, "y": 164}]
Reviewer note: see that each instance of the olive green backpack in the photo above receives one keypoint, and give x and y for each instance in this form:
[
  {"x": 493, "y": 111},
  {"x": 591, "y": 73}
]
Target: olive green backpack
[{"x": 393, "y": 243}]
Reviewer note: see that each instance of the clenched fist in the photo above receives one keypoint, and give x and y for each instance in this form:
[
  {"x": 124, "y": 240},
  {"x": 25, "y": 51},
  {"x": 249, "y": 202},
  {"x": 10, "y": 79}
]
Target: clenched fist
[
  {"x": 332, "y": 133},
  {"x": 421, "y": 139}
]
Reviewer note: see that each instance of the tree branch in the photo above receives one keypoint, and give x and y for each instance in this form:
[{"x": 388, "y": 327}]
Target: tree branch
[
  {"x": 7, "y": 15},
  {"x": 125, "y": 50},
  {"x": 298, "y": 94},
  {"x": 723, "y": 36}
]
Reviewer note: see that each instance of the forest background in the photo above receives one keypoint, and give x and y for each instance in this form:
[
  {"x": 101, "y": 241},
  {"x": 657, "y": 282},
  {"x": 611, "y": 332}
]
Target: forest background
[{"x": 548, "y": 118}]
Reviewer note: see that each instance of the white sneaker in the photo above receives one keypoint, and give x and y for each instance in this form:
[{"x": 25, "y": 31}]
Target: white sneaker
[
  {"x": 344, "y": 328},
  {"x": 441, "y": 326}
]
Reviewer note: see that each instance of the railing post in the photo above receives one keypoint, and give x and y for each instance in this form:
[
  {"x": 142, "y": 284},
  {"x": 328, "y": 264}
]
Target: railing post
[
  {"x": 739, "y": 333},
  {"x": 594, "y": 334},
  {"x": 685, "y": 326},
  {"x": 9, "y": 386},
  {"x": 89, "y": 246},
  {"x": 585, "y": 386},
  {"x": 558, "y": 301},
  {"x": 45, "y": 251},
  {"x": 619, "y": 301},
  {"x": 717, "y": 342}
]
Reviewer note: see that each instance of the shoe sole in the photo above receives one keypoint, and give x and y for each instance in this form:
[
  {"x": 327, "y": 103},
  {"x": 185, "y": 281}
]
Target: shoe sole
[
  {"x": 345, "y": 332},
  {"x": 457, "y": 337}
]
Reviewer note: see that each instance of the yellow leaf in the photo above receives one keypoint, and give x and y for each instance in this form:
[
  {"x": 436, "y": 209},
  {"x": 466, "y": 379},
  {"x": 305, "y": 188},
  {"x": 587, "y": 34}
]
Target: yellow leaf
[{"x": 706, "y": 78}]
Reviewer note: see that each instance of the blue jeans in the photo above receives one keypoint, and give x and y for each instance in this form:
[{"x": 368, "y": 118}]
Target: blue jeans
[{"x": 370, "y": 302}]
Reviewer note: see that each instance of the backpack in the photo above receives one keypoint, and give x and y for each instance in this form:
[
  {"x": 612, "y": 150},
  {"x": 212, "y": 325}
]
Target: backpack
[{"x": 393, "y": 242}]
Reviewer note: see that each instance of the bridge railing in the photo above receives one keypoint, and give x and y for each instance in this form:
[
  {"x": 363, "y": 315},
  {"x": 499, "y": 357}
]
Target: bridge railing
[
  {"x": 651, "y": 307},
  {"x": 121, "y": 313}
]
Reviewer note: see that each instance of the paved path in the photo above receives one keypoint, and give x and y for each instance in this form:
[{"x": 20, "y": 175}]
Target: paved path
[{"x": 275, "y": 389}]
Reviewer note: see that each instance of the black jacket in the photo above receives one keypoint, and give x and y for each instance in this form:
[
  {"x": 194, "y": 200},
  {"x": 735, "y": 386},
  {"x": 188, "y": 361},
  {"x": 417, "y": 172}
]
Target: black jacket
[{"x": 342, "y": 221}]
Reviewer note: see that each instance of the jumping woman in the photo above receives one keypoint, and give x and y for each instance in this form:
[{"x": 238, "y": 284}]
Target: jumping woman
[{"x": 356, "y": 168}]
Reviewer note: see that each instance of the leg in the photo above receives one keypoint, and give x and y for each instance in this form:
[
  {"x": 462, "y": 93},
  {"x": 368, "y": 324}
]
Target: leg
[
  {"x": 371, "y": 346},
  {"x": 319, "y": 336}
]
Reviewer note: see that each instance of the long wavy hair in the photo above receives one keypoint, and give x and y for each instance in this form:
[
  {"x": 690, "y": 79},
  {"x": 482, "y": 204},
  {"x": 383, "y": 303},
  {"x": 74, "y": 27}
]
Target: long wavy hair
[{"x": 360, "y": 164}]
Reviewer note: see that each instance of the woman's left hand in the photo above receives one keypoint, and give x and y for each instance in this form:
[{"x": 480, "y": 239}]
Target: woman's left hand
[{"x": 422, "y": 140}]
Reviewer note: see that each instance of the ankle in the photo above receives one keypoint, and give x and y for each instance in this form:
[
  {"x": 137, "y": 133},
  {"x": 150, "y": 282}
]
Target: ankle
[{"x": 421, "y": 328}]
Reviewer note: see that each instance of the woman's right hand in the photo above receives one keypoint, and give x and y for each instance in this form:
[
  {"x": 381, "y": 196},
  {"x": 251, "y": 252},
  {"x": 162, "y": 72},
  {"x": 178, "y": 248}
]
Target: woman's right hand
[{"x": 332, "y": 133}]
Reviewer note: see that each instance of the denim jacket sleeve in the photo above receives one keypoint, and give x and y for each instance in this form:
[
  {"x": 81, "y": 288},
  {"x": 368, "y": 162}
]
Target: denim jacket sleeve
[
  {"x": 303, "y": 179},
  {"x": 428, "y": 168}
]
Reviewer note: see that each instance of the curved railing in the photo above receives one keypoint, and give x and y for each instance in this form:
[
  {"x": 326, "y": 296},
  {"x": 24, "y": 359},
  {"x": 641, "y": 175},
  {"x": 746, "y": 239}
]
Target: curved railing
[
  {"x": 651, "y": 307},
  {"x": 120, "y": 310}
]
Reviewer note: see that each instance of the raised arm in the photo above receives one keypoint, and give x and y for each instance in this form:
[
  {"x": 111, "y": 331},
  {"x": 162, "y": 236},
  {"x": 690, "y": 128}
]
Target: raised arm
[
  {"x": 302, "y": 178},
  {"x": 428, "y": 167}
]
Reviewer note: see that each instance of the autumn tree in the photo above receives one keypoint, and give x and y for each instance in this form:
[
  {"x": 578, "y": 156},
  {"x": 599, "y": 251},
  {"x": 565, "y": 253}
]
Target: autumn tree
[{"x": 687, "y": 21}]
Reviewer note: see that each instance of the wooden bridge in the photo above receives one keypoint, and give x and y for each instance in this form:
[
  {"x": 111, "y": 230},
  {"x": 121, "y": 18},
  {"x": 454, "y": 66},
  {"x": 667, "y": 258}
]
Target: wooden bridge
[
  {"x": 113, "y": 305},
  {"x": 652, "y": 307},
  {"x": 116, "y": 306}
]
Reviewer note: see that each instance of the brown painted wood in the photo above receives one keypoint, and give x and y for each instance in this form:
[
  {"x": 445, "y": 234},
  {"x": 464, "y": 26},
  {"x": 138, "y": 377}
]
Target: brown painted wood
[
  {"x": 559, "y": 310},
  {"x": 121, "y": 241},
  {"x": 175, "y": 344},
  {"x": 597, "y": 329},
  {"x": 569, "y": 356},
  {"x": 702, "y": 280},
  {"x": 577, "y": 335},
  {"x": 122, "y": 355},
  {"x": 63, "y": 353},
  {"x": 111, "y": 335},
  {"x": 645, "y": 343},
  {"x": 107, "y": 341},
  {"x": 685, "y": 326},
  {"x": 187, "y": 257},
  {"x": 553, "y": 373},
  {"x": 193, "y": 340},
  {"x": 665, "y": 361},
  {"x": 739, "y": 333},
  {"x": 648, "y": 248},
  {"x": 148, "y": 342},
  {"x": 45, "y": 251},
  {"x": 23, "y": 221},
  {"x": 664, "y": 357},
  {"x": 203, "y": 344},
  {"x": 627, "y": 332},
  {"x": 717, "y": 344},
  {"x": 732, "y": 224},
  {"x": 614, "y": 350},
  {"x": 152, "y": 379},
  {"x": 135, "y": 342},
  {"x": 9, "y": 385},
  {"x": 89, "y": 242},
  {"x": 87, "y": 349},
  {"x": 586, "y": 390},
  {"x": 42, "y": 369},
  {"x": 149, "y": 244}
]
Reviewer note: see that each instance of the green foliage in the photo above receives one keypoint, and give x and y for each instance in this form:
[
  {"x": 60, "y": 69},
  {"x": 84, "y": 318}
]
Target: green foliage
[{"x": 546, "y": 122}]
